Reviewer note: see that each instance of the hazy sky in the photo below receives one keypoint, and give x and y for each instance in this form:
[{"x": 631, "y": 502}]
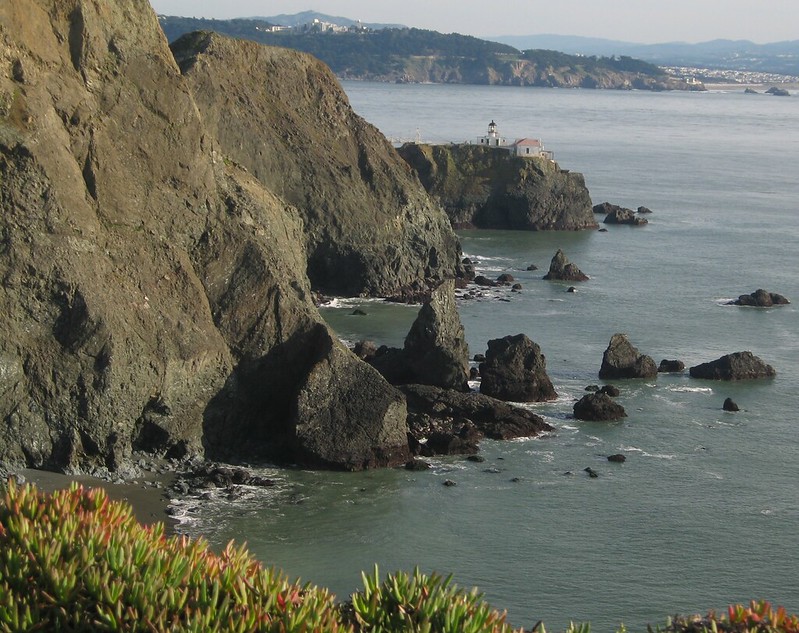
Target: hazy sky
[{"x": 645, "y": 21}]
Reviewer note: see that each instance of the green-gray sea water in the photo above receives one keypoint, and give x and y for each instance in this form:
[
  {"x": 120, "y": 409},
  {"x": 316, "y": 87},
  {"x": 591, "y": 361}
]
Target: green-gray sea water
[{"x": 705, "y": 511}]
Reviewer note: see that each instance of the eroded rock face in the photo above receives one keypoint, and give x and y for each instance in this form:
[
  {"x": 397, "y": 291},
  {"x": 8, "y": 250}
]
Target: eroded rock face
[
  {"x": 623, "y": 360},
  {"x": 561, "y": 269},
  {"x": 737, "y": 366},
  {"x": 488, "y": 188},
  {"x": 435, "y": 351},
  {"x": 369, "y": 227},
  {"x": 760, "y": 299},
  {"x": 154, "y": 294},
  {"x": 436, "y": 345},
  {"x": 515, "y": 370}
]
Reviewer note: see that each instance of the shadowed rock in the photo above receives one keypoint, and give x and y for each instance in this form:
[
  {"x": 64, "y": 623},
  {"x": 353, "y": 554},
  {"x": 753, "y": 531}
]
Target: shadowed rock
[
  {"x": 729, "y": 405},
  {"x": 622, "y": 360},
  {"x": 435, "y": 351},
  {"x": 515, "y": 370},
  {"x": 446, "y": 413},
  {"x": 671, "y": 366},
  {"x": 737, "y": 366}
]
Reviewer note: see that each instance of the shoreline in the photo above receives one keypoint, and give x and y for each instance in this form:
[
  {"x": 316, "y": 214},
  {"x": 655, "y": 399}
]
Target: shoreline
[{"x": 147, "y": 495}]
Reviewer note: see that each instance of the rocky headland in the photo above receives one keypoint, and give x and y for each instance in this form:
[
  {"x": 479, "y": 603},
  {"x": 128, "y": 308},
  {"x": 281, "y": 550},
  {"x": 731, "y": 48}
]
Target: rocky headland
[
  {"x": 163, "y": 227},
  {"x": 489, "y": 188}
]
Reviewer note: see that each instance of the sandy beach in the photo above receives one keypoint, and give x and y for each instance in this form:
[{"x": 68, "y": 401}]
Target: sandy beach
[{"x": 149, "y": 502}]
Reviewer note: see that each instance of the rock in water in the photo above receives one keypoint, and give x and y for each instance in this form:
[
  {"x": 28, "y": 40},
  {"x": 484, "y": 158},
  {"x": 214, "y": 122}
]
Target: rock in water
[
  {"x": 619, "y": 215},
  {"x": 560, "y": 268},
  {"x": 670, "y": 366},
  {"x": 435, "y": 347},
  {"x": 432, "y": 410},
  {"x": 369, "y": 226},
  {"x": 598, "y": 407},
  {"x": 729, "y": 405},
  {"x": 622, "y": 360},
  {"x": 155, "y": 295},
  {"x": 760, "y": 299},
  {"x": 737, "y": 366},
  {"x": 515, "y": 370},
  {"x": 488, "y": 188}
]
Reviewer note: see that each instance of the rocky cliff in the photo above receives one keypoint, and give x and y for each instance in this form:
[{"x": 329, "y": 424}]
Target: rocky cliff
[
  {"x": 154, "y": 292},
  {"x": 488, "y": 188},
  {"x": 369, "y": 228}
]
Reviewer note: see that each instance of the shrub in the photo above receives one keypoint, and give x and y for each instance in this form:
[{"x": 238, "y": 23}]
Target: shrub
[
  {"x": 74, "y": 560},
  {"x": 417, "y": 602}
]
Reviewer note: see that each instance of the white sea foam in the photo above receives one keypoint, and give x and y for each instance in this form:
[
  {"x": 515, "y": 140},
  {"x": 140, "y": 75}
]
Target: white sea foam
[{"x": 690, "y": 389}]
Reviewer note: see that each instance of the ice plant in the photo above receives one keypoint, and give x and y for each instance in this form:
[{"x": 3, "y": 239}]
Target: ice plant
[{"x": 75, "y": 560}]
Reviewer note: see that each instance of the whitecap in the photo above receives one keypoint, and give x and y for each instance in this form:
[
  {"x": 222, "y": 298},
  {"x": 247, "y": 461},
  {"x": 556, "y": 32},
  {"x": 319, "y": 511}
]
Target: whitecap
[
  {"x": 658, "y": 455},
  {"x": 691, "y": 389}
]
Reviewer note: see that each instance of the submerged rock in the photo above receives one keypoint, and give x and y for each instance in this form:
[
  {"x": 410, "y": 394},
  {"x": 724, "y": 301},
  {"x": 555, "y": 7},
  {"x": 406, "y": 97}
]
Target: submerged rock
[
  {"x": 622, "y": 360},
  {"x": 729, "y": 405},
  {"x": 515, "y": 370},
  {"x": 560, "y": 268},
  {"x": 620, "y": 215},
  {"x": 598, "y": 407},
  {"x": 737, "y": 366},
  {"x": 760, "y": 299}
]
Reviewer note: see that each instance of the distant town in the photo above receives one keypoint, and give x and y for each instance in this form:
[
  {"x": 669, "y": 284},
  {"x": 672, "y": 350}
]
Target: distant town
[{"x": 722, "y": 76}]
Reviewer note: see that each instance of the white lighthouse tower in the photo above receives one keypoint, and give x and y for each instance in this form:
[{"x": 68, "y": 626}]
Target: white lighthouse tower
[{"x": 493, "y": 137}]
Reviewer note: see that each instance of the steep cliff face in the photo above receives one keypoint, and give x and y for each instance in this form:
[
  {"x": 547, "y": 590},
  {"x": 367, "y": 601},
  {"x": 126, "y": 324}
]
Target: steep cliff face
[
  {"x": 369, "y": 227},
  {"x": 154, "y": 294},
  {"x": 488, "y": 188}
]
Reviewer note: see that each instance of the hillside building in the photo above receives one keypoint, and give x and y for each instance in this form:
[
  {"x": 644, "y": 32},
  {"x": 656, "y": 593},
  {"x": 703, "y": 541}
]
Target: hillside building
[{"x": 526, "y": 147}]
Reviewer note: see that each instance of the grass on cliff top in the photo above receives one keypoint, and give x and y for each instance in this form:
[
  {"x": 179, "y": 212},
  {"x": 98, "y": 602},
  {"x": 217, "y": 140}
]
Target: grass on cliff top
[{"x": 76, "y": 561}]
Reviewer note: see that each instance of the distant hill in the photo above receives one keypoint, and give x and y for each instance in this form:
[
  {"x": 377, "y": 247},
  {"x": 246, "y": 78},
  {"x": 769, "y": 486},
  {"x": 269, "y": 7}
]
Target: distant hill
[
  {"x": 777, "y": 57},
  {"x": 417, "y": 55},
  {"x": 304, "y": 17}
]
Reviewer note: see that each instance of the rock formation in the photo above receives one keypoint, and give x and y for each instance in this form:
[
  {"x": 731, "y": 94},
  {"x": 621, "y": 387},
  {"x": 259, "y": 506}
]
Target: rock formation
[
  {"x": 671, "y": 366},
  {"x": 515, "y": 370},
  {"x": 622, "y": 360},
  {"x": 435, "y": 351},
  {"x": 488, "y": 188},
  {"x": 369, "y": 227},
  {"x": 598, "y": 407},
  {"x": 737, "y": 366},
  {"x": 615, "y": 214},
  {"x": 561, "y": 269},
  {"x": 446, "y": 414},
  {"x": 155, "y": 295},
  {"x": 760, "y": 299},
  {"x": 730, "y": 405},
  {"x": 435, "y": 347}
]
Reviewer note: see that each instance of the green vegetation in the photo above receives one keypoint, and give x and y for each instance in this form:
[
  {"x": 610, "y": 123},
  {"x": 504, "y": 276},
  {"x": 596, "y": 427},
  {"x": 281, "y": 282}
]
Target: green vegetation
[
  {"x": 76, "y": 561},
  {"x": 409, "y": 54}
]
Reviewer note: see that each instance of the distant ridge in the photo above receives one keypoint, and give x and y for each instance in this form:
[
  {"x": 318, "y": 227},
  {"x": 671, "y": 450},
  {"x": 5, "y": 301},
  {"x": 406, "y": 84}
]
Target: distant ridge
[
  {"x": 775, "y": 57},
  {"x": 304, "y": 17}
]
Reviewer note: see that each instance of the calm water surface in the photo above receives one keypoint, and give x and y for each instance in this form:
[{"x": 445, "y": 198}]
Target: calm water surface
[{"x": 705, "y": 511}]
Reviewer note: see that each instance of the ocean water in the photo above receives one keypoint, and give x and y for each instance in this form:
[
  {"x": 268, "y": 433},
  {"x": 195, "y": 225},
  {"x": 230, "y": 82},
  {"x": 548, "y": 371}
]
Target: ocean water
[{"x": 705, "y": 511}]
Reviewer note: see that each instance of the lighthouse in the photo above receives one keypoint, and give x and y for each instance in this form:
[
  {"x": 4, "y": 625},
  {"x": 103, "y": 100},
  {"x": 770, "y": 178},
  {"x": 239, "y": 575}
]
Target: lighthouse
[{"x": 492, "y": 137}]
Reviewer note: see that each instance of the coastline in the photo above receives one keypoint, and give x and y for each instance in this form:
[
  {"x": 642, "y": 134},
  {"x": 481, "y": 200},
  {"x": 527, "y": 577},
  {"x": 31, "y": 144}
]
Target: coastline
[{"x": 146, "y": 495}]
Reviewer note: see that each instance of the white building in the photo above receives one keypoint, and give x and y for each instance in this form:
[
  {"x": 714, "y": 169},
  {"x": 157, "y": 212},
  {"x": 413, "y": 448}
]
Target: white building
[{"x": 527, "y": 147}]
